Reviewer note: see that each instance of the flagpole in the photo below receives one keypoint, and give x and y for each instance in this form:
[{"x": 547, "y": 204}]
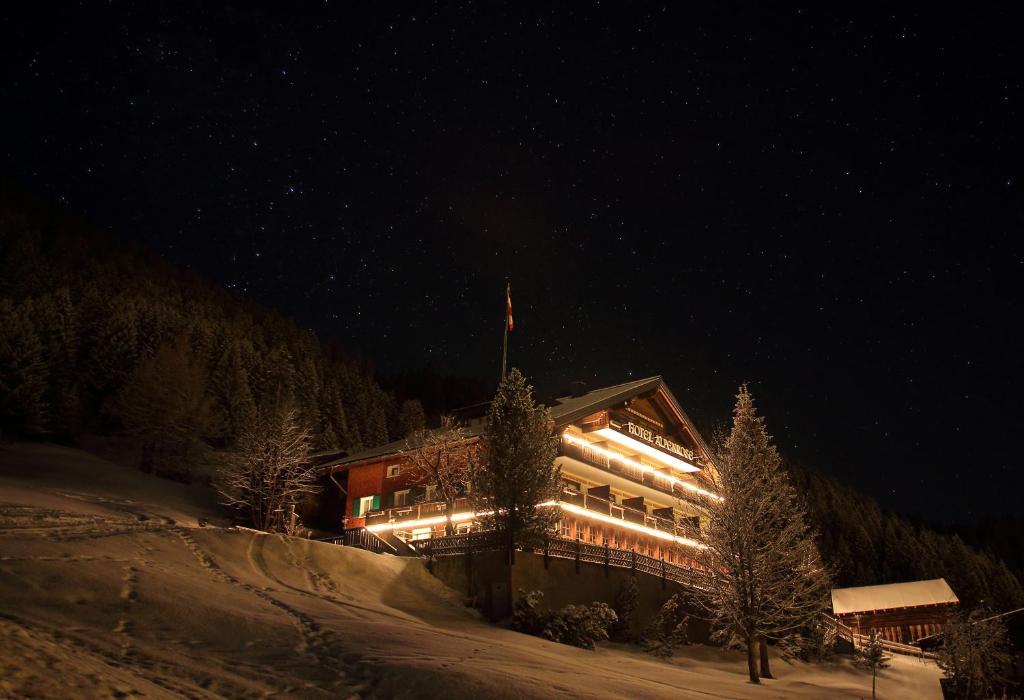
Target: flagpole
[{"x": 504, "y": 344}]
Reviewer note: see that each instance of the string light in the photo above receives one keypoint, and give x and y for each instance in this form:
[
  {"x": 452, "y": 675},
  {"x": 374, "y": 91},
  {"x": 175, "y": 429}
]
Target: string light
[
  {"x": 572, "y": 439},
  {"x": 568, "y": 507},
  {"x": 655, "y": 454}
]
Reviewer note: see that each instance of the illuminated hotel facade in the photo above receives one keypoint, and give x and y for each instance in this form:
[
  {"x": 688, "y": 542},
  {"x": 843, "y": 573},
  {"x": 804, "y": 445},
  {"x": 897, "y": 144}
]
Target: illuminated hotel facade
[{"x": 632, "y": 466}]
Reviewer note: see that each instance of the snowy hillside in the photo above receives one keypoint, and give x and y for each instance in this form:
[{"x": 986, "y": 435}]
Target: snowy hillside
[{"x": 108, "y": 588}]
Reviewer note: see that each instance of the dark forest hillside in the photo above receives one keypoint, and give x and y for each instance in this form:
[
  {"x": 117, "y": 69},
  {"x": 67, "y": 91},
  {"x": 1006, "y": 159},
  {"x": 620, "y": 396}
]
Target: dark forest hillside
[
  {"x": 867, "y": 545},
  {"x": 100, "y": 337}
]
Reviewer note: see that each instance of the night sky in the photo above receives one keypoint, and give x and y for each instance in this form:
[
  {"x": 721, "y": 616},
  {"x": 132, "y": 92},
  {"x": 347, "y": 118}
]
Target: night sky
[{"x": 826, "y": 206}]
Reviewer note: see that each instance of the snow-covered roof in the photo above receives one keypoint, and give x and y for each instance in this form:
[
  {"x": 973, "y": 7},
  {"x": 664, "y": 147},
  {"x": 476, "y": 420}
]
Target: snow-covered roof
[
  {"x": 892, "y": 595},
  {"x": 564, "y": 410}
]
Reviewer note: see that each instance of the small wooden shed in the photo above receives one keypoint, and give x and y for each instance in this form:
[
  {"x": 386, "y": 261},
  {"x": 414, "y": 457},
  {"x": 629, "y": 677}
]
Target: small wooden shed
[{"x": 899, "y": 612}]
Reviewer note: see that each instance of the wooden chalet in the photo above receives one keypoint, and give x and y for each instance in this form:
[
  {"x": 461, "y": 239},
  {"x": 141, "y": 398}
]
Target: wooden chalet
[
  {"x": 898, "y": 612},
  {"x": 631, "y": 463}
]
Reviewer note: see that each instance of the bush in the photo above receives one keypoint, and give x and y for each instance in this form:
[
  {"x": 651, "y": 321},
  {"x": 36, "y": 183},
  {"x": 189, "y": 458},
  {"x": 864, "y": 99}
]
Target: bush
[
  {"x": 626, "y": 601},
  {"x": 668, "y": 629},
  {"x": 580, "y": 625},
  {"x": 527, "y": 615}
]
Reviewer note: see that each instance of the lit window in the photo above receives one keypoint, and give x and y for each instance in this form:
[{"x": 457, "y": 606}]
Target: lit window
[
  {"x": 366, "y": 504},
  {"x": 393, "y": 471},
  {"x": 421, "y": 533},
  {"x": 401, "y": 498}
]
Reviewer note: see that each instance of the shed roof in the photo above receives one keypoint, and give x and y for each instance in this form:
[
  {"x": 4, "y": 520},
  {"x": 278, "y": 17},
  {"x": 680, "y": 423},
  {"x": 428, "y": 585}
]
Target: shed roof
[{"x": 892, "y": 595}]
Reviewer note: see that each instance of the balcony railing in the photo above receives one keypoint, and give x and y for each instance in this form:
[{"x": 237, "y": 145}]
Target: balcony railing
[
  {"x": 650, "y": 479},
  {"x": 414, "y": 512},
  {"x": 615, "y": 510},
  {"x": 421, "y": 511}
]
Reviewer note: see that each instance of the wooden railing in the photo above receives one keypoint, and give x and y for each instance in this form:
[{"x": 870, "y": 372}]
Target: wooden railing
[
  {"x": 562, "y": 548},
  {"x": 415, "y": 511},
  {"x": 362, "y": 538},
  {"x": 859, "y": 641}
]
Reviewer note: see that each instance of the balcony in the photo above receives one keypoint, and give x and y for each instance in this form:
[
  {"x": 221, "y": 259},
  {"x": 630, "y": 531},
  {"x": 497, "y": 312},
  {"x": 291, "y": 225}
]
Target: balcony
[
  {"x": 650, "y": 476},
  {"x": 606, "y": 506},
  {"x": 414, "y": 513}
]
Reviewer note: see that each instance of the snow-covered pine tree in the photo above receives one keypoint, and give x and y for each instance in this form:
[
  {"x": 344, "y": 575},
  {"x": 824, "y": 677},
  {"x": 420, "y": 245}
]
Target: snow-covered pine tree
[
  {"x": 873, "y": 657},
  {"x": 974, "y": 654},
  {"x": 23, "y": 375},
  {"x": 442, "y": 459},
  {"x": 411, "y": 417},
  {"x": 761, "y": 575},
  {"x": 166, "y": 405},
  {"x": 270, "y": 468},
  {"x": 517, "y": 471},
  {"x": 233, "y": 400}
]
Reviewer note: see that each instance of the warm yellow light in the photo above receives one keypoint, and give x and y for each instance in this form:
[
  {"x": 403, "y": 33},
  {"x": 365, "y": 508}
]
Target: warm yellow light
[
  {"x": 655, "y": 454},
  {"x": 423, "y": 522},
  {"x": 569, "y": 437},
  {"x": 568, "y": 507},
  {"x": 660, "y": 534}
]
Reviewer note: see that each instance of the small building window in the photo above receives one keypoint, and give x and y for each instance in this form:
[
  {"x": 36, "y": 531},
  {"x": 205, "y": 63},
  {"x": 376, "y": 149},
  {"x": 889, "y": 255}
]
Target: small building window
[
  {"x": 393, "y": 471},
  {"x": 431, "y": 494},
  {"x": 401, "y": 498},
  {"x": 362, "y": 506}
]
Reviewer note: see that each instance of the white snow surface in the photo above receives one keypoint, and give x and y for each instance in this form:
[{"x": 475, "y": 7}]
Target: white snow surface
[
  {"x": 108, "y": 588},
  {"x": 892, "y": 595}
]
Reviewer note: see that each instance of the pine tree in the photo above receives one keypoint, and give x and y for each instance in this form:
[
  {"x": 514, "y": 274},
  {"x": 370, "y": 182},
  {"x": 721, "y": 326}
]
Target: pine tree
[
  {"x": 516, "y": 472},
  {"x": 233, "y": 398},
  {"x": 165, "y": 404},
  {"x": 411, "y": 417},
  {"x": 761, "y": 576},
  {"x": 873, "y": 657},
  {"x": 668, "y": 629},
  {"x": 56, "y": 322},
  {"x": 23, "y": 375},
  {"x": 974, "y": 654}
]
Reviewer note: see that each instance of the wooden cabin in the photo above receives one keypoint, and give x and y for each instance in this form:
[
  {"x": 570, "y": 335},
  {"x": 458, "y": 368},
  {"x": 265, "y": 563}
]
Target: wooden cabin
[{"x": 899, "y": 612}]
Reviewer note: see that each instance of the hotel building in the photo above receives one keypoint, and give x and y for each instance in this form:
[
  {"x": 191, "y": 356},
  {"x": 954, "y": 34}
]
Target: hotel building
[{"x": 632, "y": 465}]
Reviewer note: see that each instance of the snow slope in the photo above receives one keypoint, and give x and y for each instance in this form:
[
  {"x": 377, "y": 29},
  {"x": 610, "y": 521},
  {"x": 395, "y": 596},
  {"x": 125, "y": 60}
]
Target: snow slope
[{"x": 108, "y": 588}]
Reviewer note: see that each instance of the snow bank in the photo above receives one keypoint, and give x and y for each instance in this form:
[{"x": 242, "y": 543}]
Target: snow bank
[{"x": 107, "y": 590}]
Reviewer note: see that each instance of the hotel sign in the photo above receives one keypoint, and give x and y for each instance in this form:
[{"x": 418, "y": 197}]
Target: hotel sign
[{"x": 656, "y": 440}]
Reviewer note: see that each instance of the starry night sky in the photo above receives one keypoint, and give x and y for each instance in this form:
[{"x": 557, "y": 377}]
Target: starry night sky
[{"x": 826, "y": 206}]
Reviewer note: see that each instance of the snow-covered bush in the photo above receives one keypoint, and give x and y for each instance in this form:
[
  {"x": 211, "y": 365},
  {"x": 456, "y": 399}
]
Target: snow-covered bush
[
  {"x": 668, "y": 629},
  {"x": 527, "y": 615},
  {"x": 626, "y": 601},
  {"x": 580, "y": 625}
]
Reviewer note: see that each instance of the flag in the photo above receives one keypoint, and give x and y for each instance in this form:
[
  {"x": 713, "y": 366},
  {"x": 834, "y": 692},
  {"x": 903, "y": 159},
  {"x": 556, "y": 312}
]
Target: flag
[{"x": 508, "y": 306}]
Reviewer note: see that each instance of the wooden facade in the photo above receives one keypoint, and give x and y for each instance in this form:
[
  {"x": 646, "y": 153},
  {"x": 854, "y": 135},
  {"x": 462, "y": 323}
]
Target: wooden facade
[
  {"x": 630, "y": 459},
  {"x": 898, "y": 612}
]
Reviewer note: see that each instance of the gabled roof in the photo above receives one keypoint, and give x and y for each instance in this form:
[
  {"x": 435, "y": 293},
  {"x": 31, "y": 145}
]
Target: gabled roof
[
  {"x": 567, "y": 409},
  {"x": 911, "y": 594},
  {"x": 564, "y": 410}
]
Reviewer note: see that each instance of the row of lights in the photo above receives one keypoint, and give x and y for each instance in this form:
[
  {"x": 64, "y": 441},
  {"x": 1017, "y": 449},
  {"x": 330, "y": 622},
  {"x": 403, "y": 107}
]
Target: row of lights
[
  {"x": 623, "y": 459},
  {"x": 568, "y": 507}
]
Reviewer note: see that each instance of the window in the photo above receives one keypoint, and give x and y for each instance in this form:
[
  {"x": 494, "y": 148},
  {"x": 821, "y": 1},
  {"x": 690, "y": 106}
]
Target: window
[
  {"x": 431, "y": 494},
  {"x": 393, "y": 471},
  {"x": 401, "y": 498},
  {"x": 421, "y": 533},
  {"x": 363, "y": 505}
]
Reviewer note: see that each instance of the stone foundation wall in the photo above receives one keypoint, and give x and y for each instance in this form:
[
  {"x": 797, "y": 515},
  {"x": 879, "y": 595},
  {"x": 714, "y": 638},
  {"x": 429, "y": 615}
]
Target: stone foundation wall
[{"x": 486, "y": 580}]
